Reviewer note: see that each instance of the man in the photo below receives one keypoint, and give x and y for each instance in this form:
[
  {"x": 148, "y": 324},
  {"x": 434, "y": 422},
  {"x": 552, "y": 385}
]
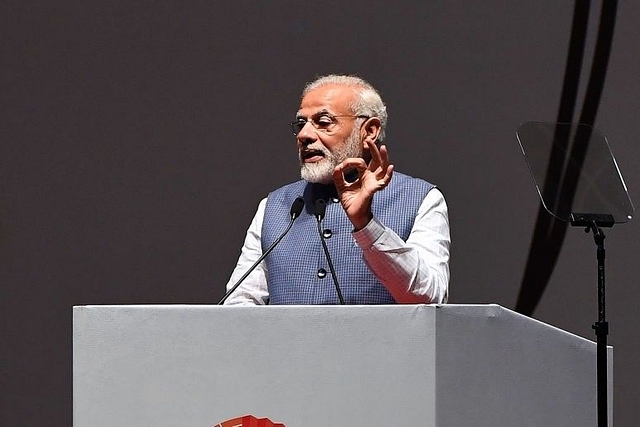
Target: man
[{"x": 387, "y": 233}]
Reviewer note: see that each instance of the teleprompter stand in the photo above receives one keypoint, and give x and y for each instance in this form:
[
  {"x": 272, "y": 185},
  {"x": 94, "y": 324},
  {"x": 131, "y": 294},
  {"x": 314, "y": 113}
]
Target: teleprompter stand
[
  {"x": 594, "y": 223},
  {"x": 578, "y": 181}
]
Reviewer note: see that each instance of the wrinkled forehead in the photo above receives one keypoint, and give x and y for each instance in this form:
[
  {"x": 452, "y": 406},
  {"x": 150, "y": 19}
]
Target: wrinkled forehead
[{"x": 333, "y": 99}]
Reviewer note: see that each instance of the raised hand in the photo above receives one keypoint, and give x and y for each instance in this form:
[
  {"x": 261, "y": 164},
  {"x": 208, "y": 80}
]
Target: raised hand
[{"x": 356, "y": 196}]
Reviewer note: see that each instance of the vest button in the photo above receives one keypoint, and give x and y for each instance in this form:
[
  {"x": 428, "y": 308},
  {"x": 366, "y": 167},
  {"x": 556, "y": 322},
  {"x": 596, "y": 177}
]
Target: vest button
[
  {"x": 326, "y": 233},
  {"x": 322, "y": 273}
]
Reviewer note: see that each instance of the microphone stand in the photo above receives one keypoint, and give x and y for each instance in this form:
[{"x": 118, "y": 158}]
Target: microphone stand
[{"x": 296, "y": 210}]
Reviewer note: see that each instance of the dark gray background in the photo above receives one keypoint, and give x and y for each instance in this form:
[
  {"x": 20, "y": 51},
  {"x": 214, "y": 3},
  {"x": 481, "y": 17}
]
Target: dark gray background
[{"x": 138, "y": 137}]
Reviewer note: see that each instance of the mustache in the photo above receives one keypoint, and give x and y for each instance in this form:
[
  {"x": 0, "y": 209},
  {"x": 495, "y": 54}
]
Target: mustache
[{"x": 310, "y": 151}]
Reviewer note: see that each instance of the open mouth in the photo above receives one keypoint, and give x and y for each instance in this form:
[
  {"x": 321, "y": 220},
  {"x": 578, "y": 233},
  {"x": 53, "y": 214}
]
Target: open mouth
[{"x": 310, "y": 156}]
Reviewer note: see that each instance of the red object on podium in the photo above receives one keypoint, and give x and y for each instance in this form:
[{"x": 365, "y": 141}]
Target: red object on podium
[{"x": 249, "y": 421}]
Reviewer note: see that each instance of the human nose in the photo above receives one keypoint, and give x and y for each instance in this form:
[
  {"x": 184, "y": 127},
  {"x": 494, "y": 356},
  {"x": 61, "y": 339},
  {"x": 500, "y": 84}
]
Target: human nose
[{"x": 307, "y": 134}]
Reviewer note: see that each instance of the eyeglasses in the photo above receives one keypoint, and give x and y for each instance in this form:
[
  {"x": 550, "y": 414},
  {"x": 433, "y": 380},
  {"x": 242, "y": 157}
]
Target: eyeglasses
[{"x": 322, "y": 121}]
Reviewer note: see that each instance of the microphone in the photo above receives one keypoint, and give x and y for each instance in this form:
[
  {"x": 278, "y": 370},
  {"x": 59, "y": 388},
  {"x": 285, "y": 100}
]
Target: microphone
[
  {"x": 320, "y": 208},
  {"x": 296, "y": 210}
]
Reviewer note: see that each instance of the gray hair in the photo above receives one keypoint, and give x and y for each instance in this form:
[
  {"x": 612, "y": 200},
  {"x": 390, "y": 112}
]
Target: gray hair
[{"x": 367, "y": 103}]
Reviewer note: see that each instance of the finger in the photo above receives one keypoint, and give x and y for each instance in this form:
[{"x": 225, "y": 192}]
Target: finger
[
  {"x": 352, "y": 163},
  {"x": 376, "y": 159},
  {"x": 346, "y": 165},
  {"x": 388, "y": 174},
  {"x": 379, "y": 156},
  {"x": 384, "y": 156}
]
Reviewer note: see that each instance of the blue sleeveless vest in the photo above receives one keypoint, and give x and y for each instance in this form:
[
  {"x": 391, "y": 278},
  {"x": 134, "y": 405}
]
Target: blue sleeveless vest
[{"x": 297, "y": 270}]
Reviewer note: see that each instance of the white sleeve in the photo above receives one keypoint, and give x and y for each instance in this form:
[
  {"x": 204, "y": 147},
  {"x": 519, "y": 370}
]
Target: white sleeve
[
  {"x": 415, "y": 271},
  {"x": 253, "y": 290}
]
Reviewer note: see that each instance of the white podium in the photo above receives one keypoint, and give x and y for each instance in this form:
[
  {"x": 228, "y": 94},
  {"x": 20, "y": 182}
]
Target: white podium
[{"x": 308, "y": 366}]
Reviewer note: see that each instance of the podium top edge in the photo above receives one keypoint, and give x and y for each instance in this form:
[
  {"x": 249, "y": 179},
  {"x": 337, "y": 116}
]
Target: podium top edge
[{"x": 271, "y": 307}]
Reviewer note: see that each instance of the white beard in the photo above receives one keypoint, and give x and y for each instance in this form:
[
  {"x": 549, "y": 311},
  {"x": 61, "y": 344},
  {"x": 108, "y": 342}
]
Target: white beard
[{"x": 321, "y": 172}]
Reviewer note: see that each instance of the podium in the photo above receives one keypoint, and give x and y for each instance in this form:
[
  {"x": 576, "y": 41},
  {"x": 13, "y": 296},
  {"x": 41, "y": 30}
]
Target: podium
[{"x": 308, "y": 366}]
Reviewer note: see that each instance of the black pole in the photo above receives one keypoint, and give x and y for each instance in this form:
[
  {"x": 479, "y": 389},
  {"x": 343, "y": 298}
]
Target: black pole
[{"x": 601, "y": 328}]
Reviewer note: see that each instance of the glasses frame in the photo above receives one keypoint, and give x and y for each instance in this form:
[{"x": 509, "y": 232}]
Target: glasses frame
[{"x": 301, "y": 122}]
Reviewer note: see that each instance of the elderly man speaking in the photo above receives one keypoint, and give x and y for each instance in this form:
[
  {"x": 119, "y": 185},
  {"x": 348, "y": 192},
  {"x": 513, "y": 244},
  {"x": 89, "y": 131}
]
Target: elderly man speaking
[{"x": 384, "y": 237}]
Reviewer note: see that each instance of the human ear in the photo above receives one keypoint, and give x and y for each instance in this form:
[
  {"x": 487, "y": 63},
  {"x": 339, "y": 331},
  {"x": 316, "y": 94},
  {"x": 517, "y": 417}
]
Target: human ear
[{"x": 370, "y": 130}]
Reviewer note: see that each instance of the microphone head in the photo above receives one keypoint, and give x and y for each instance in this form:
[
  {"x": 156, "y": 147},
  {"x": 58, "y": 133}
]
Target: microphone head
[
  {"x": 296, "y": 207},
  {"x": 319, "y": 209}
]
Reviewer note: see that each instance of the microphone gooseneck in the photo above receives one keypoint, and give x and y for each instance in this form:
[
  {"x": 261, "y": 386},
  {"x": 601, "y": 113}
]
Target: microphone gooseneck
[
  {"x": 296, "y": 210},
  {"x": 320, "y": 209}
]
